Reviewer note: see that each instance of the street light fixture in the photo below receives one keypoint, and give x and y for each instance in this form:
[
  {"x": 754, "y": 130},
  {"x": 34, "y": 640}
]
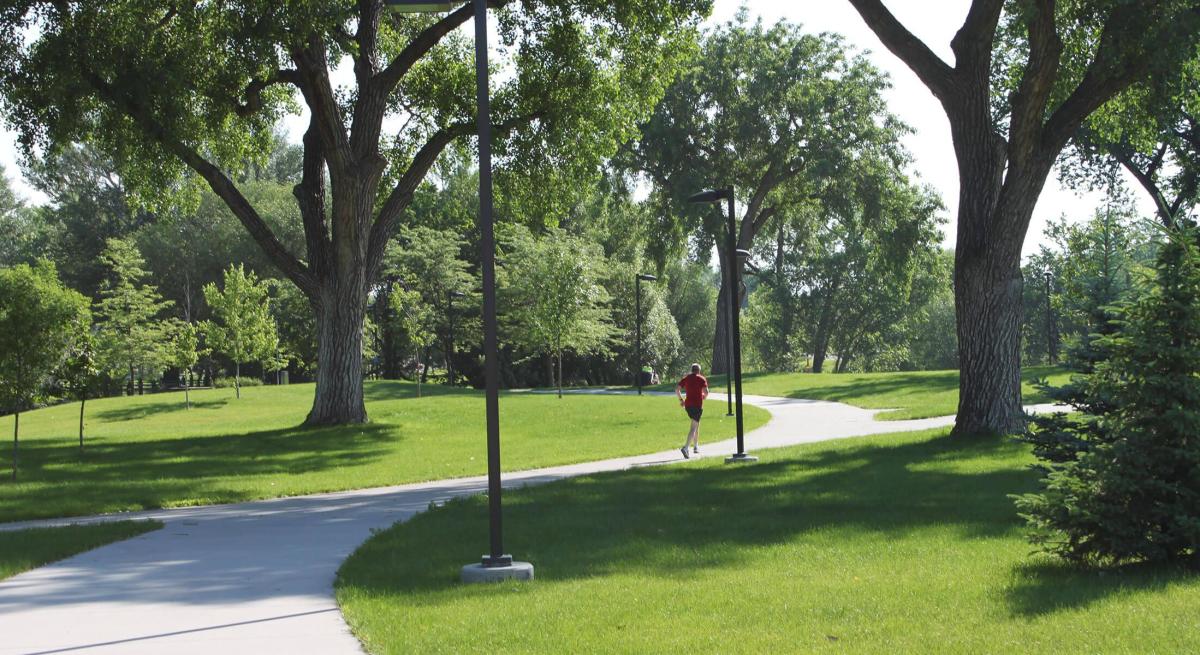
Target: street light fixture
[
  {"x": 735, "y": 258},
  {"x": 496, "y": 565},
  {"x": 638, "y": 321}
]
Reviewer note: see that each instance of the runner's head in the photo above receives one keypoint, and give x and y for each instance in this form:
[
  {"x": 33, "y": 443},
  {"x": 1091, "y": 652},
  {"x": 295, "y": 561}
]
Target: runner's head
[{"x": 696, "y": 369}]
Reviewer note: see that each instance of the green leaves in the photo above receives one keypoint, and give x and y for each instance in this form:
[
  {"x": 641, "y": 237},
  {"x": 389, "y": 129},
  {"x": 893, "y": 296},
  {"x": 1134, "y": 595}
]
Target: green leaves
[
  {"x": 39, "y": 318},
  {"x": 244, "y": 329}
]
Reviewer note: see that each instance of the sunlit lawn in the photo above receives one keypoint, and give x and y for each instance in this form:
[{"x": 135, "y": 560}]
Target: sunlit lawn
[
  {"x": 893, "y": 544},
  {"x": 149, "y": 452},
  {"x": 21, "y": 550},
  {"x": 914, "y": 394}
]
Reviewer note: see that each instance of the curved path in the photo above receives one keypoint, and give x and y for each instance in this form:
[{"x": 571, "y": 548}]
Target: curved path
[{"x": 258, "y": 577}]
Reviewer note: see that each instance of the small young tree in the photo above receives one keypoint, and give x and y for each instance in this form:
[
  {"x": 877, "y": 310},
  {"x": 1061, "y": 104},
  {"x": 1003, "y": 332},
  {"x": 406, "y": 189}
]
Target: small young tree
[
  {"x": 37, "y": 317},
  {"x": 184, "y": 352},
  {"x": 1121, "y": 475},
  {"x": 79, "y": 372},
  {"x": 557, "y": 301},
  {"x": 246, "y": 330},
  {"x": 417, "y": 319},
  {"x": 130, "y": 335}
]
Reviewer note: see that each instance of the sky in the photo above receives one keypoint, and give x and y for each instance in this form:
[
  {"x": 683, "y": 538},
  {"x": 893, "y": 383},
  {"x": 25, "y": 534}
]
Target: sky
[{"x": 930, "y": 143}]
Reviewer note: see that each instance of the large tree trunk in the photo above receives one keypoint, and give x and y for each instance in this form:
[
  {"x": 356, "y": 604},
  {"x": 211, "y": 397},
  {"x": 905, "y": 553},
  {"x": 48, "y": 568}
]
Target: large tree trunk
[
  {"x": 824, "y": 328},
  {"x": 988, "y": 307},
  {"x": 721, "y": 349},
  {"x": 339, "y": 396}
]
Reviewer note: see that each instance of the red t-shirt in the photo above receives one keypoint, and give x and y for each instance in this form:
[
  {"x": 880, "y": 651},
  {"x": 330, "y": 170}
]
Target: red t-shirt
[{"x": 694, "y": 385}]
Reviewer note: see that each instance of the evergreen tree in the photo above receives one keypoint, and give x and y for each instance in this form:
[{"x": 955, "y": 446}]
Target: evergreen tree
[
  {"x": 130, "y": 334},
  {"x": 1123, "y": 475}
]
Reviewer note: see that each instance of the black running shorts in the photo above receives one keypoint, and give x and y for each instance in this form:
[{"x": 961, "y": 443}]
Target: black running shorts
[{"x": 694, "y": 413}]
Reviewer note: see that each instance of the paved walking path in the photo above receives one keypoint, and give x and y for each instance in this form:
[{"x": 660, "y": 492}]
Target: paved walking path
[{"x": 258, "y": 577}]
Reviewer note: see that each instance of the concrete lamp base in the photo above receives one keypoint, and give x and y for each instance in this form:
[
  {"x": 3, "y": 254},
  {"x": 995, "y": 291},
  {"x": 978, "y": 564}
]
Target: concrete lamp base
[
  {"x": 475, "y": 573},
  {"x": 741, "y": 459}
]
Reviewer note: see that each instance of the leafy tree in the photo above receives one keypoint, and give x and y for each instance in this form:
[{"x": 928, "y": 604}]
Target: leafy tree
[
  {"x": 1152, "y": 130},
  {"x": 243, "y": 329},
  {"x": 130, "y": 335},
  {"x": 428, "y": 263},
  {"x": 1026, "y": 75},
  {"x": 931, "y": 338},
  {"x": 79, "y": 371},
  {"x": 556, "y": 301},
  {"x": 185, "y": 352},
  {"x": 1121, "y": 480},
  {"x": 162, "y": 85},
  {"x": 38, "y": 317},
  {"x": 772, "y": 112},
  {"x": 297, "y": 328},
  {"x": 417, "y": 319},
  {"x": 23, "y": 238},
  {"x": 692, "y": 299},
  {"x": 88, "y": 205}
]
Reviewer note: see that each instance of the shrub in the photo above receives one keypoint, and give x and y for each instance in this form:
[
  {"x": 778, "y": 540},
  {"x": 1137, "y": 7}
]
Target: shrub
[{"x": 1122, "y": 476}]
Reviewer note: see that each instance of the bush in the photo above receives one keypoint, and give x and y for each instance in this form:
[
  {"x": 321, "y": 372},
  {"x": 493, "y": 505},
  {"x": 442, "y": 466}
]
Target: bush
[
  {"x": 1122, "y": 476},
  {"x": 227, "y": 383}
]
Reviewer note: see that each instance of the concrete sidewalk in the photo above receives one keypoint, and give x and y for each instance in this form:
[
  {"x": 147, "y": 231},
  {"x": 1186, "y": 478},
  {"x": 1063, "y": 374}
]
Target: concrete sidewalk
[{"x": 258, "y": 577}]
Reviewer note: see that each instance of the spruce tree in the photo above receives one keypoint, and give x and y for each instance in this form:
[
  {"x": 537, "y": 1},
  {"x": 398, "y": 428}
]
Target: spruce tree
[{"x": 1123, "y": 474}]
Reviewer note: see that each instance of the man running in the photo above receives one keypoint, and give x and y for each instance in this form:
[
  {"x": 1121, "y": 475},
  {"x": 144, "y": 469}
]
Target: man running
[{"x": 696, "y": 387}]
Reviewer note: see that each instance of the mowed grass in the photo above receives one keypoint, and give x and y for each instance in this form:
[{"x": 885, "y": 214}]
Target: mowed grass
[
  {"x": 148, "y": 451},
  {"x": 22, "y": 550},
  {"x": 909, "y": 395},
  {"x": 891, "y": 544}
]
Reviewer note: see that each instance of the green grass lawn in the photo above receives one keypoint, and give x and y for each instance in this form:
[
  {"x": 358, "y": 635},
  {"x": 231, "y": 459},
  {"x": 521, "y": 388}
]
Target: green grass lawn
[
  {"x": 22, "y": 550},
  {"x": 914, "y": 394},
  {"x": 148, "y": 451},
  {"x": 892, "y": 544}
]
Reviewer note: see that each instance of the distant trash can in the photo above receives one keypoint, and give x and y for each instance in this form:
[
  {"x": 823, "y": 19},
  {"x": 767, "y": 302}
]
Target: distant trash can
[
  {"x": 283, "y": 376},
  {"x": 645, "y": 377}
]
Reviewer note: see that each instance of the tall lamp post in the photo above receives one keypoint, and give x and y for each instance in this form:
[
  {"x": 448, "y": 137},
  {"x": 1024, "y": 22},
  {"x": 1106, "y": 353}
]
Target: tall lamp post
[
  {"x": 450, "y": 296},
  {"x": 707, "y": 197},
  {"x": 638, "y": 321},
  {"x": 496, "y": 565},
  {"x": 734, "y": 259}
]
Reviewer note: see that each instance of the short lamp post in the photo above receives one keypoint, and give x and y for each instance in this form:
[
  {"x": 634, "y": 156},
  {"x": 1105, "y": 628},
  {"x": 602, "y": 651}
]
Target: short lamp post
[
  {"x": 450, "y": 296},
  {"x": 638, "y": 321},
  {"x": 1051, "y": 353},
  {"x": 496, "y": 565},
  {"x": 734, "y": 258}
]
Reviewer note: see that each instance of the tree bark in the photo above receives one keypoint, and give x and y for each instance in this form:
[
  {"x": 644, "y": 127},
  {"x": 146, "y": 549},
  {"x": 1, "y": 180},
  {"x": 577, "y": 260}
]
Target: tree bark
[
  {"x": 237, "y": 379},
  {"x": 82, "y": 401},
  {"x": 339, "y": 396},
  {"x": 824, "y": 327},
  {"x": 559, "y": 358},
  {"x": 721, "y": 351}
]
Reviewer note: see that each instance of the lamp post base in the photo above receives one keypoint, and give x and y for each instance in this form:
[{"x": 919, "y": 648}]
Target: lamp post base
[
  {"x": 741, "y": 458},
  {"x": 482, "y": 572}
]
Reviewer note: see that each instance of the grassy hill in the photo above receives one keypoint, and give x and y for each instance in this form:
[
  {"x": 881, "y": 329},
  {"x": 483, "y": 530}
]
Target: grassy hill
[
  {"x": 904, "y": 543},
  {"x": 909, "y": 394},
  {"x": 148, "y": 451}
]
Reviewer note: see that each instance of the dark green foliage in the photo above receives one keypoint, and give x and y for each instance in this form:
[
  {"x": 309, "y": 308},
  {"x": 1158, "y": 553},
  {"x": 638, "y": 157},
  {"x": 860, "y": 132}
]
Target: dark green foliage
[{"x": 1123, "y": 476}]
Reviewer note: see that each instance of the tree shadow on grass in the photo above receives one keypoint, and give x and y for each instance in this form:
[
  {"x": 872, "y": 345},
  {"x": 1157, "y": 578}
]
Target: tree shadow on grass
[
  {"x": 648, "y": 521},
  {"x": 383, "y": 390},
  {"x": 1047, "y": 585},
  {"x": 55, "y": 480},
  {"x": 138, "y": 411}
]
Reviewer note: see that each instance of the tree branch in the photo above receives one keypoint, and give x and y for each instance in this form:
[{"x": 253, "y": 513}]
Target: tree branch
[
  {"x": 934, "y": 72},
  {"x": 253, "y": 91},
  {"x": 385, "y": 82},
  {"x": 1037, "y": 83},
  {"x": 972, "y": 45},
  {"x": 217, "y": 181},
  {"x": 313, "y": 70},
  {"x": 402, "y": 193}
]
